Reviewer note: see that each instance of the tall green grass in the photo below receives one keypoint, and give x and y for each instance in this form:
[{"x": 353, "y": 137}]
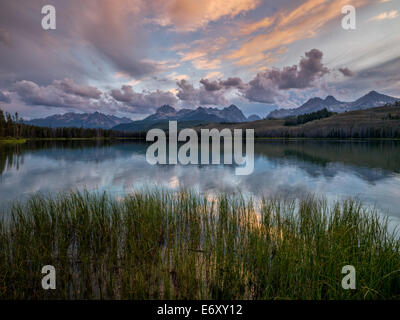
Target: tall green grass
[{"x": 164, "y": 245}]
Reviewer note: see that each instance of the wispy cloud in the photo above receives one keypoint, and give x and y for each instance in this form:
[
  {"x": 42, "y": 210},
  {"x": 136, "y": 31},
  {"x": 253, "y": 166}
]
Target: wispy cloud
[
  {"x": 186, "y": 16},
  {"x": 290, "y": 26},
  {"x": 247, "y": 29},
  {"x": 214, "y": 75},
  {"x": 347, "y": 72},
  {"x": 205, "y": 64},
  {"x": 385, "y": 16}
]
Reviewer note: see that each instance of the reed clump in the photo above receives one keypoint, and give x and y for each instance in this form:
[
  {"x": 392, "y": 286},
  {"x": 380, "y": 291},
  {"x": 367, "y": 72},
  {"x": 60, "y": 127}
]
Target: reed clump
[{"x": 183, "y": 245}]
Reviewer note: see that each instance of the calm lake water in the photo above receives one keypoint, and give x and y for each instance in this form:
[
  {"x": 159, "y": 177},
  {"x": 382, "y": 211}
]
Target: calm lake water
[{"x": 369, "y": 171}]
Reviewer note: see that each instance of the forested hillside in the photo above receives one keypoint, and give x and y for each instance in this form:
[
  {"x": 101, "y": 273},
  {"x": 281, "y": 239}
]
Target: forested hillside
[{"x": 380, "y": 122}]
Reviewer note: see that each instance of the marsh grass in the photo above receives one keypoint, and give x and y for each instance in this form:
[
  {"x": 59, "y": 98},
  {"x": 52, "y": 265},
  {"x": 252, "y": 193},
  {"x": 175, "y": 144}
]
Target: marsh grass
[{"x": 182, "y": 245}]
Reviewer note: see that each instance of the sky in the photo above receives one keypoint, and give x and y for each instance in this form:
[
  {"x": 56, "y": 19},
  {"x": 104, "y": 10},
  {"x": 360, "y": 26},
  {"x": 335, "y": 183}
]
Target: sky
[{"x": 129, "y": 57}]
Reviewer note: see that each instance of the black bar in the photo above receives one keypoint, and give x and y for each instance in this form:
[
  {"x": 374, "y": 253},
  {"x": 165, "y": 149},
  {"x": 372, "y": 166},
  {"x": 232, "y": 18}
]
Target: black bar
[{"x": 206, "y": 309}]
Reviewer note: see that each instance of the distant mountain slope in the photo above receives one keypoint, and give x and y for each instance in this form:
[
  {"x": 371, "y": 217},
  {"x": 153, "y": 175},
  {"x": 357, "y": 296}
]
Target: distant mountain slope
[
  {"x": 185, "y": 117},
  {"x": 229, "y": 114},
  {"x": 377, "y": 122},
  {"x": 370, "y": 100},
  {"x": 253, "y": 117},
  {"x": 143, "y": 126},
  {"x": 79, "y": 120}
]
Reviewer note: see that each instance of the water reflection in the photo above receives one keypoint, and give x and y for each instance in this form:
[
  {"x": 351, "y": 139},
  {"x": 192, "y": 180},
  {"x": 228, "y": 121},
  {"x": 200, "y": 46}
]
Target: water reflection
[{"x": 368, "y": 170}]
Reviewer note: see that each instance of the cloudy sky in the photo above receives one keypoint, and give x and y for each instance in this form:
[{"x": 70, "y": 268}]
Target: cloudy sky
[{"x": 128, "y": 57}]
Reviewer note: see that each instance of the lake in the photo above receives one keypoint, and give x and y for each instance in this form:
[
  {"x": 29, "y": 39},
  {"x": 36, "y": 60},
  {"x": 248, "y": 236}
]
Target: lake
[{"x": 367, "y": 170}]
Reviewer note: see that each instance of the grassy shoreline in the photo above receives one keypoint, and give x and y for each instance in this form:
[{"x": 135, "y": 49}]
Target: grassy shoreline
[
  {"x": 163, "y": 245},
  {"x": 85, "y": 139},
  {"x": 21, "y": 141},
  {"x": 12, "y": 141}
]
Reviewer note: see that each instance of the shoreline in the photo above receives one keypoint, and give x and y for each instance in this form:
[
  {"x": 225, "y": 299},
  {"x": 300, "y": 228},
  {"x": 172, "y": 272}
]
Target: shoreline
[
  {"x": 13, "y": 141},
  {"x": 24, "y": 140}
]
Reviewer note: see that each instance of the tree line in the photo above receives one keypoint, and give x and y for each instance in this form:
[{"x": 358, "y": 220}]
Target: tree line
[
  {"x": 307, "y": 117},
  {"x": 12, "y": 127}
]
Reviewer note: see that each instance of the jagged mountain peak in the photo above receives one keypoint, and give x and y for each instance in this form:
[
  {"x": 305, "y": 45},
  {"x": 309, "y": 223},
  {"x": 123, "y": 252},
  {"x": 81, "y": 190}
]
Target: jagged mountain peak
[
  {"x": 166, "y": 108},
  {"x": 331, "y": 98},
  {"x": 232, "y": 107},
  {"x": 79, "y": 120},
  {"x": 200, "y": 114},
  {"x": 370, "y": 100},
  {"x": 315, "y": 99},
  {"x": 373, "y": 94}
]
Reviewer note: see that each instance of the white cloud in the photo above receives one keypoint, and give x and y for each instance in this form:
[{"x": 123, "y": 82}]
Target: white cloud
[{"x": 385, "y": 16}]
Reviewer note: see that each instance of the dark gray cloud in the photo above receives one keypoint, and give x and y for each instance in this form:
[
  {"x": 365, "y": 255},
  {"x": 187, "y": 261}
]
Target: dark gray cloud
[
  {"x": 211, "y": 92},
  {"x": 5, "y": 97},
  {"x": 50, "y": 96},
  {"x": 233, "y": 83},
  {"x": 92, "y": 37},
  {"x": 211, "y": 85},
  {"x": 117, "y": 36},
  {"x": 144, "y": 102},
  {"x": 187, "y": 92},
  {"x": 69, "y": 86},
  {"x": 59, "y": 95},
  {"x": 201, "y": 96},
  {"x": 230, "y": 83},
  {"x": 299, "y": 77},
  {"x": 29, "y": 52},
  {"x": 266, "y": 85},
  {"x": 347, "y": 72},
  {"x": 261, "y": 89},
  {"x": 68, "y": 94}
]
